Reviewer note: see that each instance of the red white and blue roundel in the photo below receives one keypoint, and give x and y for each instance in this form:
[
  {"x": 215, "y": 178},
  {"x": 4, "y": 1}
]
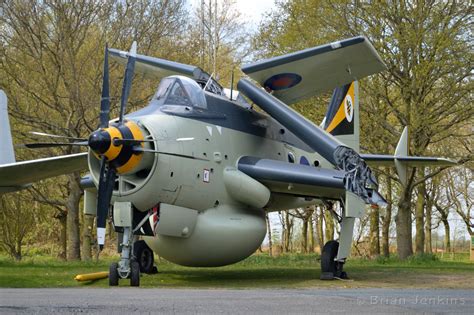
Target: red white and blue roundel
[{"x": 282, "y": 81}]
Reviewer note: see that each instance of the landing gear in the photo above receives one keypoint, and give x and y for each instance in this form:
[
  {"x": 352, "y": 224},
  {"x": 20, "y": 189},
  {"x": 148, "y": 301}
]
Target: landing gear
[
  {"x": 126, "y": 267},
  {"x": 144, "y": 256},
  {"x": 330, "y": 267},
  {"x": 113, "y": 275},
  {"x": 134, "y": 274}
]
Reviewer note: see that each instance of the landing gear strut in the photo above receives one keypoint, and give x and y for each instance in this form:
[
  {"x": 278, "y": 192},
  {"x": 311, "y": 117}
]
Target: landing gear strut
[
  {"x": 330, "y": 267},
  {"x": 126, "y": 267}
]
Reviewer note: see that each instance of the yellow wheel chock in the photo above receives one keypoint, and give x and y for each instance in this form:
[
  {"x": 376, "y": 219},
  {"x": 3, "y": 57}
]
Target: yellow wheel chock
[{"x": 92, "y": 276}]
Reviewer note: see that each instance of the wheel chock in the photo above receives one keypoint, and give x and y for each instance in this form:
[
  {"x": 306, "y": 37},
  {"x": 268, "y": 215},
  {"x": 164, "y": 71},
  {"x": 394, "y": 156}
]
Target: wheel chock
[{"x": 92, "y": 276}]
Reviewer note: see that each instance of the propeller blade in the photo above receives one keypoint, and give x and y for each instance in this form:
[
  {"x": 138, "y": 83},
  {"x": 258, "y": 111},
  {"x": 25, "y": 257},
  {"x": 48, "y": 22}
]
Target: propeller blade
[
  {"x": 39, "y": 145},
  {"x": 105, "y": 100},
  {"x": 42, "y": 134},
  {"x": 127, "y": 81},
  {"x": 104, "y": 195},
  {"x": 142, "y": 150}
]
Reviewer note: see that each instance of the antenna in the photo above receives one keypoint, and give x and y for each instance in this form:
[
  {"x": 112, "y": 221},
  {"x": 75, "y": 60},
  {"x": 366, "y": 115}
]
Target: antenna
[
  {"x": 208, "y": 81},
  {"x": 231, "y": 83}
]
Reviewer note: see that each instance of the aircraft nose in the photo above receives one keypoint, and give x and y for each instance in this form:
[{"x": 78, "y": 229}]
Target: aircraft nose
[{"x": 99, "y": 141}]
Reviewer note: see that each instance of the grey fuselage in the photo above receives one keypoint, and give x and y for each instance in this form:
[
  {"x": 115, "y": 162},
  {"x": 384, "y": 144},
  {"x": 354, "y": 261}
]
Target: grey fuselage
[{"x": 200, "y": 145}]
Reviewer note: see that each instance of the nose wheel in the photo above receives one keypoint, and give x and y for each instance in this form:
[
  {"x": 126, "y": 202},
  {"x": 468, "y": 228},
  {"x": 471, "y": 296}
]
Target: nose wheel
[
  {"x": 113, "y": 275},
  {"x": 127, "y": 267}
]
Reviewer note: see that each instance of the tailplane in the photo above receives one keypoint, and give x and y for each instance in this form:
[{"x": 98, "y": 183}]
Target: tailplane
[
  {"x": 342, "y": 116},
  {"x": 7, "y": 154}
]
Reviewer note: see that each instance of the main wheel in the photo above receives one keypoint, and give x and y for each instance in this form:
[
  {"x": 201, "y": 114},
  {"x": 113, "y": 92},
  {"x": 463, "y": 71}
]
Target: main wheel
[
  {"x": 113, "y": 275},
  {"x": 328, "y": 264},
  {"x": 144, "y": 256},
  {"x": 134, "y": 274}
]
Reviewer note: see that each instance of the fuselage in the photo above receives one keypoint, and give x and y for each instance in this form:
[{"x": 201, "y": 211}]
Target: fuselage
[{"x": 197, "y": 145}]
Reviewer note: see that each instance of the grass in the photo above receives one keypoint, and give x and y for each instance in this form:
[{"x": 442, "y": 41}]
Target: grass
[{"x": 257, "y": 271}]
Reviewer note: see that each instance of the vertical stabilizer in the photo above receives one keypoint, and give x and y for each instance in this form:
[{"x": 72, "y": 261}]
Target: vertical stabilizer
[
  {"x": 342, "y": 116},
  {"x": 7, "y": 155}
]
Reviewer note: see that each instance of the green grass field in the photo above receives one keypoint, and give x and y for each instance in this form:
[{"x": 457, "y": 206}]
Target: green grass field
[{"x": 257, "y": 271}]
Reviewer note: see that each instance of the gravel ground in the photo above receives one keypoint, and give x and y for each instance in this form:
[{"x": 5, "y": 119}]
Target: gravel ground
[{"x": 192, "y": 301}]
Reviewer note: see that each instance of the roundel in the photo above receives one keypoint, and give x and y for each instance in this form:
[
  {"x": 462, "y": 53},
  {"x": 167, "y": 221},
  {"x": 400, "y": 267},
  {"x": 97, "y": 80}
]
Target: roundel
[
  {"x": 282, "y": 81},
  {"x": 349, "y": 108}
]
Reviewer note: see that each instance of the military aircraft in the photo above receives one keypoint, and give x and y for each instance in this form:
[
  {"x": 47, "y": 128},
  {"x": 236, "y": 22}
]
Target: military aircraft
[{"x": 191, "y": 175}]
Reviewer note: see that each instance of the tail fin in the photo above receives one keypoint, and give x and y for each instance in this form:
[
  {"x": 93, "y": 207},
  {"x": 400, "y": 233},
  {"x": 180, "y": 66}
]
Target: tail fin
[
  {"x": 342, "y": 116},
  {"x": 6, "y": 144}
]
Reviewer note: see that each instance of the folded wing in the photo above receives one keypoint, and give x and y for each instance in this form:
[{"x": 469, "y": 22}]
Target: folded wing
[
  {"x": 295, "y": 179},
  {"x": 297, "y": 76},
  {"x": 158, "y": 68}
]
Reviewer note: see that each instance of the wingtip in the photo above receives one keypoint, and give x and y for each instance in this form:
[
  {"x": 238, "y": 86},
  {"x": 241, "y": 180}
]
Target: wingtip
[{"x": 133, "y": 50}]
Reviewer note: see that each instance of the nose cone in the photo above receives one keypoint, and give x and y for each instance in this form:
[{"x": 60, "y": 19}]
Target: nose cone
[{"x": 99, "y": 141}]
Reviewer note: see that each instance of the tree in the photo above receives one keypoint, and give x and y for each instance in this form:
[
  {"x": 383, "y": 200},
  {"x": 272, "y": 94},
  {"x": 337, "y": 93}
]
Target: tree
[
  {"x": 387, "y": 217},
  {"x": 305, "y": 215},
  {"x": 269, "y": 234},
  {"x": 51, "y": 69},
  {"x": 374, "y": 232},
  {"x": 16, "y": 223},
  {"x": 426, "y": 46},
  {"x": 461, "y": 190},
  {"x": 420, "y": 216},
  {"x": 217, "y": 39}
]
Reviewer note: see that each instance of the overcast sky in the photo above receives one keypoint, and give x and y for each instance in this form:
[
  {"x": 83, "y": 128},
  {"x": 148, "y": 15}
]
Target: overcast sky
[{"x": 251, "y": 9}]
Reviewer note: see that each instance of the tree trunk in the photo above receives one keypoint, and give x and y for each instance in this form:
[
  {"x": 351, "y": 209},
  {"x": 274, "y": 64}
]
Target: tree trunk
[
  {"x": 311, "y": 232},
  {"x": 403, "y": 222},
  {"x": 387, "y": 219},
  {"x": 419, "y": 217},
  {"x": 319, "y": 227},
  {"x": 329, "y": 232},
  {"x": 447, "y": 233},
  {"x": 374, "y": 241},
  {"x": 62, "y": 217},
  {"x": 88, "y": 223},
  {"x": 304, "y": 235},
  {"x": 428, "y": 238},
  {"x": 18, "y": 254},
  {"x": 269, "y": 233},
  {"x": 288, "y": 232},
  {"x": 74, "y": 238}
]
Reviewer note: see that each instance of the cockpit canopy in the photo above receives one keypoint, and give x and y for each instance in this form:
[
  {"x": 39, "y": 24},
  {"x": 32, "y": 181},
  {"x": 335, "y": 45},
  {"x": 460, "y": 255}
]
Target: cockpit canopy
[{"x": 180, "y": 90}]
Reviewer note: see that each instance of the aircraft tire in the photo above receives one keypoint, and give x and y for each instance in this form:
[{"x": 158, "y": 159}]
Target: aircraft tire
[
  {"x": 144, "y": 256},
  {"x": 113, "y": 275},
  {"x": 134, "y": 274},
  {"x": 328, "y": 265}
]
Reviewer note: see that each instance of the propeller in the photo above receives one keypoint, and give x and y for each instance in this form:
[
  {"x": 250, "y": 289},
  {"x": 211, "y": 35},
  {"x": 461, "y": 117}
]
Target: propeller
[
  {"x": 119, "y": 145},
  {"x": 42, "y": 134},
  {"x": 107, "y": 174},
  {"x": 102, "y": 140},
  {"x": 38, "y": 145}
]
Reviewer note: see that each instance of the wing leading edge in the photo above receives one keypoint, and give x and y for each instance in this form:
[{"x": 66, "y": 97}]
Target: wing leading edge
[
  {"x": 16, "y": 176},
  {"x": 410, "y": 161}
]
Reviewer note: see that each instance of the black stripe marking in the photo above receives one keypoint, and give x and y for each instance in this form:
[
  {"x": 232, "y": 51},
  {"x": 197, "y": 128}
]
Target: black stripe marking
[{"x": 127, "y": 150}]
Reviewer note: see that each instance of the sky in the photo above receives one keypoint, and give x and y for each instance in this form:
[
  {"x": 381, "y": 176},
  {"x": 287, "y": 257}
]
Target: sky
[{"x": 253, "y": 10}]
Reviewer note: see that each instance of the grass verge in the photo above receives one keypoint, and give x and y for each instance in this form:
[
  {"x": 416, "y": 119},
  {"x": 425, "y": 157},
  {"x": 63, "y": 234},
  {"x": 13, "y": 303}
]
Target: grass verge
[{"x": 257, "y": 271}]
